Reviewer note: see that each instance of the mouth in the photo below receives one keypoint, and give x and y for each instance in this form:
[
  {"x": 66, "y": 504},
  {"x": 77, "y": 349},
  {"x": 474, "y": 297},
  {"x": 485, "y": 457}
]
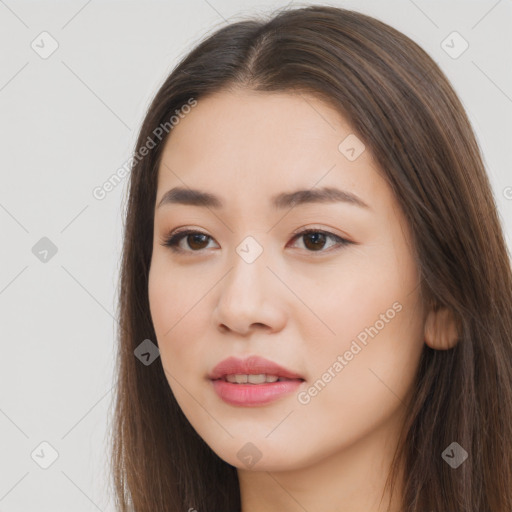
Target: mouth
[
  {"x": 253, "y": 395},
  {"x": 254, "y": 381},
  {"x": 252, "y": 370}
]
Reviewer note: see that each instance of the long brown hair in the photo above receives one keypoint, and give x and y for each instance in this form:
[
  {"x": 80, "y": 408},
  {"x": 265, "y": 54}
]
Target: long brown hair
[{"x": 403, "y": 107}]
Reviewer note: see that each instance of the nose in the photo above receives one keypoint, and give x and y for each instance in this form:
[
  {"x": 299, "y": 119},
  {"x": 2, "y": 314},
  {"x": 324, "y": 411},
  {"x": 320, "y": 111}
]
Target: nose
[{"x": 249, "y": 299}]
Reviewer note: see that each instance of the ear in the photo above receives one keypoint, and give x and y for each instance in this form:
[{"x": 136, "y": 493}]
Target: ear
[{"x": 441, "y": 329}]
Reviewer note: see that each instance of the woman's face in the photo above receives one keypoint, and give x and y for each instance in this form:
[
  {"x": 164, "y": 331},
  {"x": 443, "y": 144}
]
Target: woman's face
[{"x": 346, "y": 317}]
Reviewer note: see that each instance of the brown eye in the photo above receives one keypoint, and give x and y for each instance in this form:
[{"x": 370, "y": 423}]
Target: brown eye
[
  {"x": 196, "y": 241},
  {"x": 315, "y": 240}
]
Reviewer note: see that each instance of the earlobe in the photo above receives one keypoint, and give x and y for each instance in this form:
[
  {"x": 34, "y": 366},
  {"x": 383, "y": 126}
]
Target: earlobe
[{"x": 441, "y": 329}]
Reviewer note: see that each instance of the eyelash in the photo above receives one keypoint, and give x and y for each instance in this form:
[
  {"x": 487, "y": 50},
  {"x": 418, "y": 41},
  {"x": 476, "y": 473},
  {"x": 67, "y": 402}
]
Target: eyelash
[{"x": 173, "y": 239}]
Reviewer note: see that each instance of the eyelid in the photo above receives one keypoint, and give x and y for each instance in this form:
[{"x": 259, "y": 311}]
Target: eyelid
[
  {"x": 320, "y": 229},
  {"x": 172, "y": 239},
  {"x": 178, "y": 234}
]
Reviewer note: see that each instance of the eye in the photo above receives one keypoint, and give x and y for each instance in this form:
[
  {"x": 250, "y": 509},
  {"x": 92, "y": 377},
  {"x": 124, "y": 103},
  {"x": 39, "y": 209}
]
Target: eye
[
  {"x": 195, "y": 239},
  {"x": 315, "y": 240}
]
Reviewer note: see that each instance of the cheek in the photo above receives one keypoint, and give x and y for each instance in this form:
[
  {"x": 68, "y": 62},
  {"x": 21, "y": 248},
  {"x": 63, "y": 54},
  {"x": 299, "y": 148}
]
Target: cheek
[
  {"x": 371, "y": 387},
  {"x": 378, "y": 323},
  {"x": 367, "y": 290},
  {"x": 161, "y": 299},
  {"x": 177, "y": 311},
  {"x": 168, "y": 310}
]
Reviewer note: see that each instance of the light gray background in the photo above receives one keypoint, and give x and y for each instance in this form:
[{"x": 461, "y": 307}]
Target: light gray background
[{"x": 67, "y": 123}]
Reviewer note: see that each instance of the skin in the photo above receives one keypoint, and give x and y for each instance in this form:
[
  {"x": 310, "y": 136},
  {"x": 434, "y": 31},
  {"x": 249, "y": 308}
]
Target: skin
[{"x": 294, "y": 305}]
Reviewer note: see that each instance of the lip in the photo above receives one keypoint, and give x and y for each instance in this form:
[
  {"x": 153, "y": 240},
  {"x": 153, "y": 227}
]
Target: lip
[
  {"x": 252, "y": 365},
  {"x": 251, "y": 395}
]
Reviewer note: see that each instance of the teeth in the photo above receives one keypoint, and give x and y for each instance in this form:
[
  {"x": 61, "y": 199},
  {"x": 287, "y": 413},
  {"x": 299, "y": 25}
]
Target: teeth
[{"x": 252, "y": 379}]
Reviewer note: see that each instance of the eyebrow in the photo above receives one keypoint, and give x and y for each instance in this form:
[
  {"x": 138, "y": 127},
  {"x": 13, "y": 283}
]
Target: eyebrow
[{"x": 193, "y": 197}]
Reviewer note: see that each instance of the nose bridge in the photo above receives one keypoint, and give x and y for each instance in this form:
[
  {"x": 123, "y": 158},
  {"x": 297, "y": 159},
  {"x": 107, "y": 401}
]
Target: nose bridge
[
  {"x": 245, "y": 295},
  {"x": 245, "y": 284}
]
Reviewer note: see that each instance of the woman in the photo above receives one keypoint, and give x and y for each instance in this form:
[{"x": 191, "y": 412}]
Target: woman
[{"x": 313, "y": 245}]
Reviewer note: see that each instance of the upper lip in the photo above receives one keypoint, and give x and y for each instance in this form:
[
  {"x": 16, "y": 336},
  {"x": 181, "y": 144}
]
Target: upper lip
[{"x": 252, "y": 365}]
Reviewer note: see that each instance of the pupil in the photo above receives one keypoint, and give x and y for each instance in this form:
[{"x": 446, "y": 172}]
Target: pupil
[
  {"x": 315, "y": 236},
  {"x": 195, "y": 237}
]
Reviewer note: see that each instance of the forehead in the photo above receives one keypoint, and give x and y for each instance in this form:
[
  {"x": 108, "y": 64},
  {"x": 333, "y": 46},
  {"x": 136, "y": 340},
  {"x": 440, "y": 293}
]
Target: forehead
[
  {"x": 279, "y": 122},
  {"x": 260, "y": 144}
]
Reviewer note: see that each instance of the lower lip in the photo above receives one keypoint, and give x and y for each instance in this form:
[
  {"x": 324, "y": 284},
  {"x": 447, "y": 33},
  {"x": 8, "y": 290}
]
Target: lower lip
[{"x": 254, "y": 394}]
